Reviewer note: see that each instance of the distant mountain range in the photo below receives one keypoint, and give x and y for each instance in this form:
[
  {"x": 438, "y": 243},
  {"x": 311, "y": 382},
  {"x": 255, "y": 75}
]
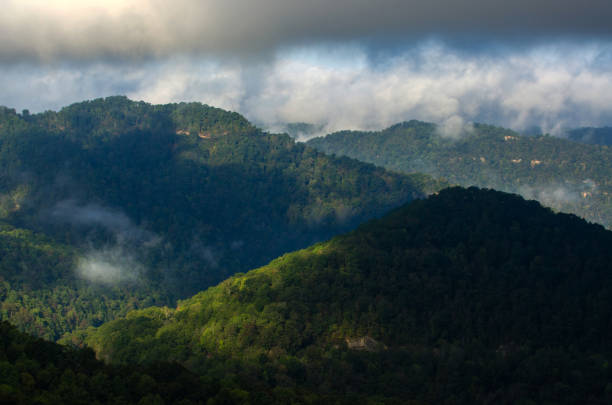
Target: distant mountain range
[{"x": 567, "y": 176}]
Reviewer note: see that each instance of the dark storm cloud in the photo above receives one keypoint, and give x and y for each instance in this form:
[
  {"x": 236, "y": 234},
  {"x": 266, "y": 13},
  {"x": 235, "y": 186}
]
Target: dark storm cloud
[{"x": 136, "y": 29}]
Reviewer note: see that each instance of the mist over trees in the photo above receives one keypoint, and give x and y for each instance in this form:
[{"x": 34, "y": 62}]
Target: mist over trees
[
  {"x": 567, "y": 176},
  {"x": 114, "y": 213},
  {"x": 151, "y": 203},
  {"x": 466, "y": 297}
]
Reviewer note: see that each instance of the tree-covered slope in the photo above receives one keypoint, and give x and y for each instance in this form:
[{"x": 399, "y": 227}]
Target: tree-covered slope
[
  {"x": 42, "y": 294},
  {"x": 567, "y": 176},
  {"x": 470, "y": 296},
  {"x": 164, "y": 201}
]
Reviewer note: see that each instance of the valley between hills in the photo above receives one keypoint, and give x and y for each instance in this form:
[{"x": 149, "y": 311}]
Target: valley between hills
[{"x": 177, "y": 254}]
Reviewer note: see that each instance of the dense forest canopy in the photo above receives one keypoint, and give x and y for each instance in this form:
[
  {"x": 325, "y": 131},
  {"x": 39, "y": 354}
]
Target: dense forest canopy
[
  {"x": 567, "y": 176},
  {"x": 112, "y": 210},
  {"x": 156, "y": 202},
  {"x": 470, "y": 296},
  {"x": 34, "y": 371},
  {"x": 42, "y": 294}
]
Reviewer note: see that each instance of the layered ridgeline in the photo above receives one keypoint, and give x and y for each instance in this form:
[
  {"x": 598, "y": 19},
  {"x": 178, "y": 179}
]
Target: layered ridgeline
[
  {"x": 470, "y": 296},
  {"x": 165, "y": 200},
  {"x": 567, "y": 176}
]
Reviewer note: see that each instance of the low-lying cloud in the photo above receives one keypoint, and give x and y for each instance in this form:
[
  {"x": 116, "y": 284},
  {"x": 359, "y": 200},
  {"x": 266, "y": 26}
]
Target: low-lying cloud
[
  {"x": 558, "y": 195},
  {"x": 550, "y": 196},
  {"x": 111, "y": 262},
  {"x": 33, "y": 30},
  {"x": 94, "y": 215},
  {"x": 109, "y": 266},
  {"x": 556, "y": 86},
  {"x": 454, "y": 127},
  {"x": 552, "y": 87}
]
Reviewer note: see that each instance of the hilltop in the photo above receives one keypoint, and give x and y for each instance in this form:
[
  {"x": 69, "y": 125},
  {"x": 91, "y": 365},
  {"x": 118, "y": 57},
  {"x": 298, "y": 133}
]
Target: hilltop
[
  {"x": 470, "y": 296},
  {"x": 163, "y": 201},
  {"x": 564, "y": 175}
]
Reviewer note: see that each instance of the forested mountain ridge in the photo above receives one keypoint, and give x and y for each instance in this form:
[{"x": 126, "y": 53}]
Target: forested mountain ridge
[
  {"x": 567, "y": 176},
  {"x": 470, "y": 296},
  {"x": 115, "y": 116},
  {"x": 164, "y": 201}
]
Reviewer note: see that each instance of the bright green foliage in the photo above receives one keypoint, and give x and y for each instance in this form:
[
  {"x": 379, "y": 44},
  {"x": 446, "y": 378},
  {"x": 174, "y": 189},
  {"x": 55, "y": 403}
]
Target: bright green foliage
[
  {"x": 467, "y": 297},
  {"x": 567, "y": 176}
]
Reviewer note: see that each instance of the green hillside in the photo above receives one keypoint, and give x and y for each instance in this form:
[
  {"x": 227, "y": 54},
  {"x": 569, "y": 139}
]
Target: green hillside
[
  {"x": 567, "y": 176},
  {"x": 470, "y": 296},
  {"x": 41, "y": 293},
  {"x": 157, "y": 202}
]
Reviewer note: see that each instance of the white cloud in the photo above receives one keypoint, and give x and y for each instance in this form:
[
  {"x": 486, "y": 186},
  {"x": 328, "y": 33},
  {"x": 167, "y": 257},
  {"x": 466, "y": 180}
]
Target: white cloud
[
  {"x": 454, "y": 127},
  {"x": 109, "y": 266},
  {"x": 436, "y": 83},
  {"x": 551, "y": 196},
  {"x": 558, "y": 196},
  {"x": 554, "y": 86},
  {"x": 93, "y": 215}
]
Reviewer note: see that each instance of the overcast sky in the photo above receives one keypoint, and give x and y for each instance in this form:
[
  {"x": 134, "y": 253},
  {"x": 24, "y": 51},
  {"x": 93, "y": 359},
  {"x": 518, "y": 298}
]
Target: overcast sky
[{"x": 341, "y": 63}]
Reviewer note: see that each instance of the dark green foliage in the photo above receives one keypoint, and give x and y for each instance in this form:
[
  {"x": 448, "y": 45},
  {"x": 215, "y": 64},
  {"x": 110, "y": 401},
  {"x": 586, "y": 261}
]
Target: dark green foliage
[
  {"x": 470, "y": 296},
  {"x": 194, "y": 175},
  {"x": 33, "y": 371},
  {"x": 189, "y": 193},
  {"x": 567, "y": 176},
  {"x": 302, "y": 129},
  {"x": 40, "y": 293}
]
